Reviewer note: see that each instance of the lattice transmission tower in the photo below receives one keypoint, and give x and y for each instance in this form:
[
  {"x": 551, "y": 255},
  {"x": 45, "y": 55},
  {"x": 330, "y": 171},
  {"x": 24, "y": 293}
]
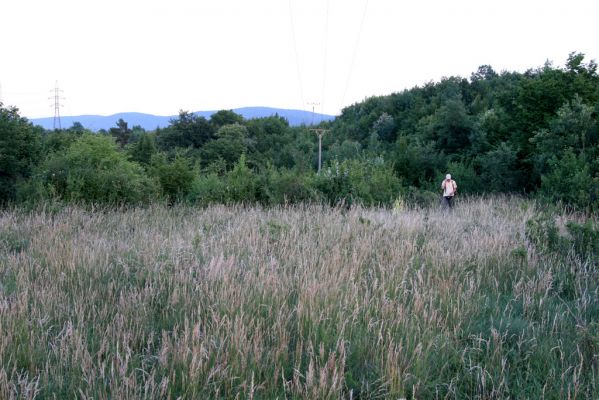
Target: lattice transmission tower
[{"x": 57, "y": 97}]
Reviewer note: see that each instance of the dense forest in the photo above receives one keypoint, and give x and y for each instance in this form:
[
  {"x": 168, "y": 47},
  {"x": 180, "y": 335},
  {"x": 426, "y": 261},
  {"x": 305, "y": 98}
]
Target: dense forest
[{"x": 534, "y": 133}]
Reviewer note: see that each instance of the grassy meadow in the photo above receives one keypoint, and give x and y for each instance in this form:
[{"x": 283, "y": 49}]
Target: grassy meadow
[{"x": 304, "y": 302}]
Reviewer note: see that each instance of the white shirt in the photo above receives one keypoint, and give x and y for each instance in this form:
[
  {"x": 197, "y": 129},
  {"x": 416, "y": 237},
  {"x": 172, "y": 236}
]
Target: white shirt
[{"x": 448, "y": 187}]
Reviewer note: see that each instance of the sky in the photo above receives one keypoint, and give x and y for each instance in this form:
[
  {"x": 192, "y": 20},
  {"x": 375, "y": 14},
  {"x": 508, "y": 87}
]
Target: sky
[{"x": 163, "y": 56}]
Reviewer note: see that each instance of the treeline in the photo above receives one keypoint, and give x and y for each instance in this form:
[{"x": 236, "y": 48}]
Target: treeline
[{"x": 534, "y": 133}]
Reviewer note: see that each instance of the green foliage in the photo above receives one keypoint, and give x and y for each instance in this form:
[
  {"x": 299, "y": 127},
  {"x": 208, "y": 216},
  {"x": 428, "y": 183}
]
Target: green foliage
[
  {"x": 241, "y": 183},
  {"x": 93, "y": 170},
  {"x": 60, "y": 140},
  {"x": 569, "y": 181},
  {"x": 450, "y": 127},
  {"x": 535, "y": 132},
  {"x": 571, "y": 129},
  {"x": 368, "y": 181},
  {"x": 281, "y": 186},
  {"x": 346, "y": 150},
  {"x": 585, "y": 239},
  {"x": 13, "y": 241},
  {"x": 20, "y": 148},
  {"x": 417, "y": 163},
  {"x": 225, "y": 117},
  {"x": 175, "y": 177},
  {"x": 499, "y": 169},
  {"x": 271, "y": 139},
  {"x": 468, "y": 181},
  {"x": 143, "y": 150},
  {"x": 231, "y": 142},
  {"x": 421, "y": 198},
  {"x": 208, "y": 189},
  {"x": 385, "y": 128},
  {"x": 542, "y": 232},
  {"x": 122, "y": 133},
  {"x": 188, "y": 130}
]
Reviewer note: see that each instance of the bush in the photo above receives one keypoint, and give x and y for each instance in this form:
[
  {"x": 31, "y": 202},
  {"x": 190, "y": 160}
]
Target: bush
[
  {"x": 370, "y": 182},
  {"x": 241, "y": 183},
  {"x": 92, "y": 170},
  {"x": 585, "y": 239},
  {"x": 175, "y": 177},
  {"x": 236, "y": 186},
  {"x": 569, "y": 181},
  {"x": 285, "y": 187},
  {"x": 207, "y": 189},
  {"x": 20, "y": 145},
  {"x": 421, "y": 198}
]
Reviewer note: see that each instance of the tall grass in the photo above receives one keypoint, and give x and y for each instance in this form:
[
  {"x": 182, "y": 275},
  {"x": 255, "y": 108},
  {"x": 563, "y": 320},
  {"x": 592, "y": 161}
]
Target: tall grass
[{"x": 299, "y": 303}]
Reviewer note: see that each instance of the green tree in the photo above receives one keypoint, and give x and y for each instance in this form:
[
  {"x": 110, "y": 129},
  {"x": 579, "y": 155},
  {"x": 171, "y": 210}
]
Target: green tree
[
  {"x": 225, "y": 117},
  {"x": 60, "y": 139},
  {"x": 270, "y": 135},
  {"x": 573, "y": 128},
  {"x": 122, "y": 133},
  {"x": 384, "y": 128},
  {"x": 20, "y": 145},
  {"x": 93, "y": 170},
  {"x": 231, "y": 143},
  {"x": 143, "y": 150},
  {"x": 188, "y": 130},
  {"x": 569, "y": 180},
  {"x": 242, "y": 183},
  {"x": 175, "y": 177},
  {"x": 499, "y": 169},
  {"x": 450, "y": 127}
]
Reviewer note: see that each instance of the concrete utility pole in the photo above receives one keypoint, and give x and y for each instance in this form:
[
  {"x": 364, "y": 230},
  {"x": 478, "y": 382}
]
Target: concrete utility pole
[{"x": 319, "y": 132}]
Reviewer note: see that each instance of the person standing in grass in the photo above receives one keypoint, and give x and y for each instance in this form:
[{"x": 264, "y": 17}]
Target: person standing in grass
[{"x": 449, "y": 189}]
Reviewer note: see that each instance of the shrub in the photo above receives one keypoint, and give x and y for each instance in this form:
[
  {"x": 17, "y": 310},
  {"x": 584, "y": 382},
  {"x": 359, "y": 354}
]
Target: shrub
[
  {"x": 175, "y": 177},
  {"x": 241, "y": 183},
  {"x": 285, "y": 186},
  {"x": 568, "y": 181},
  {"x": 368, "y": 181},
  {"x": 207, "y": 189},
  {"x": 20, "y": 144},
  {"x": 585, "y": 239},
  {"x": 93, "y": 170}
]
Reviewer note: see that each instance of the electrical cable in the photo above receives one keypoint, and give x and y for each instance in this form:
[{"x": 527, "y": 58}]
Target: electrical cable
[
  {"x": 326, "y": 45},
  {"x": 353, "y": 61},
  {"x": 299, "y": 75}
]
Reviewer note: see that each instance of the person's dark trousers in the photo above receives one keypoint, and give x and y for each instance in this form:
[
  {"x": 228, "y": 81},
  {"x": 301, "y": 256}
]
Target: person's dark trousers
[{"x": 448, "y": 201}]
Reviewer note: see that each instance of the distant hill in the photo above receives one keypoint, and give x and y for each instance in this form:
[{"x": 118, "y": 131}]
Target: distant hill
[{"x": 151, "y": 122}]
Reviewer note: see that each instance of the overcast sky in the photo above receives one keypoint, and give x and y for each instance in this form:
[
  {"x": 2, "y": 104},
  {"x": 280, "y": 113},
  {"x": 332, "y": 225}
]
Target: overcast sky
[{"x": 159, "y": 57}]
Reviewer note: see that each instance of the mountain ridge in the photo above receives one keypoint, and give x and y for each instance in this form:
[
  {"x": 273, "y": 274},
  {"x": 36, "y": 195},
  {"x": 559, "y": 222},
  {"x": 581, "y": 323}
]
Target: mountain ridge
[{"x": 151, "y": 121}]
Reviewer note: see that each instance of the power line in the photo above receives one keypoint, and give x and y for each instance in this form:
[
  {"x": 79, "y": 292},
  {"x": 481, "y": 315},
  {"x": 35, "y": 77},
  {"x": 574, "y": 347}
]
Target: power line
[
  {"x": 326, "y": 45},
  {"x": 353, "y": 61},
  {"x": 299, "y": 75}
]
